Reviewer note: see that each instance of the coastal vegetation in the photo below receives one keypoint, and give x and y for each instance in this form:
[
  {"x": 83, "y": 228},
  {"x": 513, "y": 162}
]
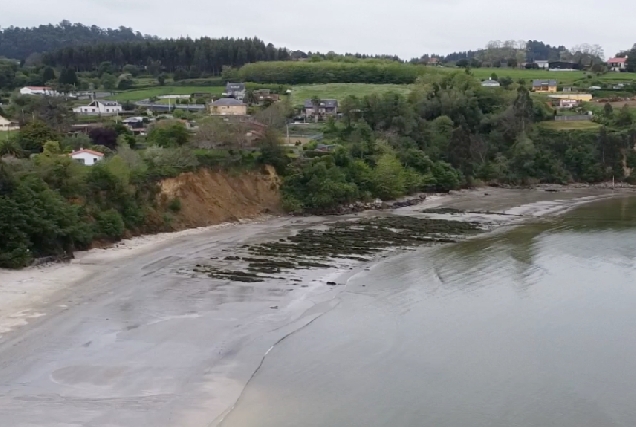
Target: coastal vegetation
[
  {"x": 402, "y": 128},
  {"x": 452, "y": 132},
  {"x": 446, "y": 133}
]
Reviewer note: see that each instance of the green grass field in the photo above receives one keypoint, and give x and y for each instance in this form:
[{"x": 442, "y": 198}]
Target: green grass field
[
  {"x": 562, "y": 77},
  {"x": 570, "y": 125},
  {"x": 340, "y": 91},
  {"x": 138, "y": 95},
  {"x": 4, "y": 134}
]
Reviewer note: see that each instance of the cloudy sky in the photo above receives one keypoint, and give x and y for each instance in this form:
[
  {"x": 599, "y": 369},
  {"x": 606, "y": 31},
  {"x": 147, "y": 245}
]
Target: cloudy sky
[{"x": 407, "y": 28}]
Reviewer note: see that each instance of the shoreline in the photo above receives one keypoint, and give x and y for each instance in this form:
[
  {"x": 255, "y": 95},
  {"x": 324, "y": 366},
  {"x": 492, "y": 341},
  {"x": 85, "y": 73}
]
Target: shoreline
[
  {"x": 241, "y": 322},
  {"x": 23, "y": 289}
]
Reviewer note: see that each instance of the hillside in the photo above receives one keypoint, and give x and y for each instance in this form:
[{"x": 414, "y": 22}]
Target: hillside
[
  {"x": 213, "y": 197},
  {"x": 19, "y": 43}
]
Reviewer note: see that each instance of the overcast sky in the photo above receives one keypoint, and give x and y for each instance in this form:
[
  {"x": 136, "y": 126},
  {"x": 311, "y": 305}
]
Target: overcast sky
[{"x": 407, "y": 28}]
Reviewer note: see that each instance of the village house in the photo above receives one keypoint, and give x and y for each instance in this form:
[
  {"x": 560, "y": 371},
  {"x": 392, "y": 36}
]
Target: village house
[
  {"x": 87, "y": 157},
  {"x": 38, "y": 90},
  {"x": 8, "y": 125},
  {"x": 544, "y": 86},
  {"x": 490, "y": 83},
  {"x": 564, "y": 103},
  {"x": 99, "y": 108},
  {"x": 263, "y": 95},
  {"x": 543, "y": 64},
  {"x": 617, "y": 64},
  {"x": 228, "y": 107},
  {"x": 235, "y": 90},
  {"x": 576, "y": 96},
  {"x": 325, "y": 108},
  {"x": 564, "y": 66}
]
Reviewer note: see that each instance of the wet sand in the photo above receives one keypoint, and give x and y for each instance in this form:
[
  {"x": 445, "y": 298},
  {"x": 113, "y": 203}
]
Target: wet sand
[{"x": 128, "y": 337}]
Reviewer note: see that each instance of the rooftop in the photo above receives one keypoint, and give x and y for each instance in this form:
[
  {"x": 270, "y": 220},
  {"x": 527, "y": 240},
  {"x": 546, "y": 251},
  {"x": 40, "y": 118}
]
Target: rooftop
[
  {"x": 327, "y": 103},
  {"x": 227, "y": 102},
  {"x": 617, "y": 60},
  {"x": 95, "y": 153},
  {"x": 235, "y": 86},
  {"x": 536, "y": 83}
]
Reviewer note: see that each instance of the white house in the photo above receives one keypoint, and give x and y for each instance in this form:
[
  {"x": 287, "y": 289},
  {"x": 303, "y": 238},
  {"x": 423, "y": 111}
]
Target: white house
[
  {"x": 7, "y": 125},
  {"x": 617, "y": 64},
  {"x": 490, "y": 83},
  {"x": 99, "y": 108},
  {"x": 87, "y": 157},
  {"x": 38, "y": 90}
]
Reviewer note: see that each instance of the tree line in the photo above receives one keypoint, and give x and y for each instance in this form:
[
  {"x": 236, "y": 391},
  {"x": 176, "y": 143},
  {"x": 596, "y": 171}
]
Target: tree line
[
  {"x": 204, "y": 55},
  {"x": 518, "y": 51},
  {"x": 353, "y": 71},
  {"x": 21, "y": 43}
]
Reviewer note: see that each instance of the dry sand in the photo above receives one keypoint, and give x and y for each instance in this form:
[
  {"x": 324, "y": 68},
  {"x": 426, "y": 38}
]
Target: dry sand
[{"x": 127, "y": 336}]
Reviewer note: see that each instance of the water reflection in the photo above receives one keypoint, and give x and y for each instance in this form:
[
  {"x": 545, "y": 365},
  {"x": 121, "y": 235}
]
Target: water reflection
[{"x": 533, "y": 326}]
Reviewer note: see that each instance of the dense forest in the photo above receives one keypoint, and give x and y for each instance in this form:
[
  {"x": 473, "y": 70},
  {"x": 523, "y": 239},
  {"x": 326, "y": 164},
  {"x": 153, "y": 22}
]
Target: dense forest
[
  {"x": 205, "y": 55},
  {"x": 20, "y": 43},
  {"x": 448, "y": 133}
]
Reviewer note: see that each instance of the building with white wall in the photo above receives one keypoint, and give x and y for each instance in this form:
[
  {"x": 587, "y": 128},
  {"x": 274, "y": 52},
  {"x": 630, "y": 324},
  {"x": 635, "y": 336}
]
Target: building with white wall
[
  {"x": 39, "y": 90},
  {"x": 87, "y": 157},
  {"x": 99, "y": 108}
]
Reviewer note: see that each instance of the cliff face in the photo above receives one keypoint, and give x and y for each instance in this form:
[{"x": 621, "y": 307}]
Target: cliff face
[{"x": 209, "y": 198}]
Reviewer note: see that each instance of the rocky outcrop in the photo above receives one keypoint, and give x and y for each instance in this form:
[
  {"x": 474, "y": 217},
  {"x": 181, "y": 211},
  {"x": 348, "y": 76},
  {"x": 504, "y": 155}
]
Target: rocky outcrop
[{"x": 369, "y": 206}]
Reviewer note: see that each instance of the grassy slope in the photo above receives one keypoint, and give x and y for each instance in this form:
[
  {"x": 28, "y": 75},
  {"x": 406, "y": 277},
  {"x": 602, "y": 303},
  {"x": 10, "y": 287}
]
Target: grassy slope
[
  {"x": 340, "y": 91},
  {"x": 563, "y": 77},
  {"x": 570, "y": 125}
]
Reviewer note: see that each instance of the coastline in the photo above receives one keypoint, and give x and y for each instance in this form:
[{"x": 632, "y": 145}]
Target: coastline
[
  {"x": 22, "y": 291},
  {"x": 245, "y": 321}
]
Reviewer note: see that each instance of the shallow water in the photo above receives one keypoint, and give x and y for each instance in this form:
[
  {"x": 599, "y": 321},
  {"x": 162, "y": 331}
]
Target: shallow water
[{"x": 534, "y": 326}]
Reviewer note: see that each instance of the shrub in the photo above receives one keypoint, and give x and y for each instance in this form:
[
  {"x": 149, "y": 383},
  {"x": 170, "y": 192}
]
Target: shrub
[
  {"x": 175, "y": 205},
  {"x": 109, "y": 225}
]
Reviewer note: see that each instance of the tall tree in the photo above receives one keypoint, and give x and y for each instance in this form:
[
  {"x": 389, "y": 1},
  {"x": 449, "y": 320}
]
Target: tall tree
[
  {"x": 48, "y": 74},
  {"x": 68, "y": 77}
]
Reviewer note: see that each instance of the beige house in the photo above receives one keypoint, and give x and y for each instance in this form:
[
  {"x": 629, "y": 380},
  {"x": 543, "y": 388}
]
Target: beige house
[
  {"x": 228, "y": 107},
  {"x": 544, "y": 86},
  {"x": 573, "y": 96},
  {"x": 7, "y": 125}
]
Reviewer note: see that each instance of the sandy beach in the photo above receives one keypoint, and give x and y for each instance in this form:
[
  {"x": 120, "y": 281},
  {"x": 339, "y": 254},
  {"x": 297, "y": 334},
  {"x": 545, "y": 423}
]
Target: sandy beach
[{"x": 129, "y": 336}]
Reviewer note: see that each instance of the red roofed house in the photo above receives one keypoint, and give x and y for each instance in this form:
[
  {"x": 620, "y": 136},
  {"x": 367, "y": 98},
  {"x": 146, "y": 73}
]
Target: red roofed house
[
  {"x": 87, "y": 157},
  {"x": 38, "y": 90},
  {"x": 617, "y": 64}
]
